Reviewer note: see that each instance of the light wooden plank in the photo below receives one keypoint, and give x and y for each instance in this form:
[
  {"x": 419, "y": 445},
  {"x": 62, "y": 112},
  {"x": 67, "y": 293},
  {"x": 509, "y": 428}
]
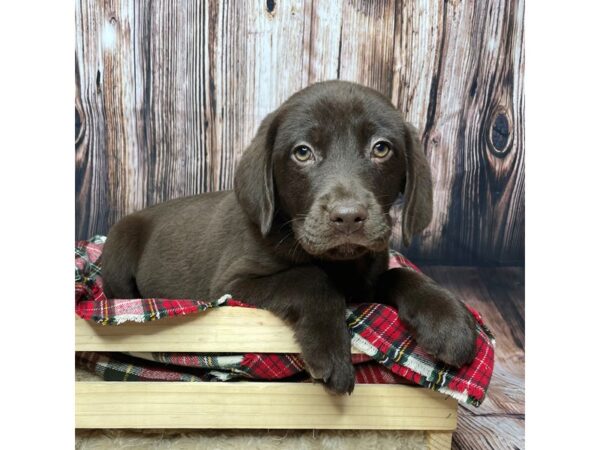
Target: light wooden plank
[
  {"x": 438, "y": 440},
  {"x": 226, "y": 329},
  {"x": 259, "y": 405}
]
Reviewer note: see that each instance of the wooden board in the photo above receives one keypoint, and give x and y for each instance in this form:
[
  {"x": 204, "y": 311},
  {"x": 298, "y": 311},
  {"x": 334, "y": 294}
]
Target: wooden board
[
  {"x": 259, "y": 405},
  {"x": 215, "y": 330},
  {"x": 168, "y": 94},
  {"x": 438, "y": 440}
]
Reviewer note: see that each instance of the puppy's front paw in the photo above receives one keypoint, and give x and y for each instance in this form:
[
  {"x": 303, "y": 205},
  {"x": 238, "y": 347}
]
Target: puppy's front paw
[
  {"x": 336, "y": 372},
  {"x": 447, "y": 329}
]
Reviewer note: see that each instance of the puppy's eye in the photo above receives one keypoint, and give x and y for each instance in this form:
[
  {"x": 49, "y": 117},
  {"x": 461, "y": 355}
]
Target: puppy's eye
[
  {"x": 303, "y": 154},
  {"x": 380, "y": 150}
]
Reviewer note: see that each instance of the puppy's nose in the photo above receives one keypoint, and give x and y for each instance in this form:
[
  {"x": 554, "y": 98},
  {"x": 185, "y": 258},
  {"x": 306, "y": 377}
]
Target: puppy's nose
[{"x": 348, "y": 218}]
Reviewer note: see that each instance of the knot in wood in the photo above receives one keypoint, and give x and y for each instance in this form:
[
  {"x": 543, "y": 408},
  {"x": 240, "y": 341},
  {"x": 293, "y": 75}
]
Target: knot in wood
[{"x": 500, "y": 132}]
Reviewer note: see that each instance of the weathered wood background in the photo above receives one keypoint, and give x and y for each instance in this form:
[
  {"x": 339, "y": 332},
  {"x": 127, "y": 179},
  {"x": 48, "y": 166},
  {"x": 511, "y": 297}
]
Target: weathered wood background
[{"x": 168, "y": 94}]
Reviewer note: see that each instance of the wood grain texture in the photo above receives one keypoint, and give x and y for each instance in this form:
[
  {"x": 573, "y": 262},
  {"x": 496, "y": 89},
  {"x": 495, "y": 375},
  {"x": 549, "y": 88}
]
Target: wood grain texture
[
  {"x": 169, "y": 94},
  {"x": 367, "y": 44},
  {"x": 259, "y": 405},
  {"x": 438, "y": 440},
  {"x": 498, "y": 294},
  {"x": 215, "y": 330}
]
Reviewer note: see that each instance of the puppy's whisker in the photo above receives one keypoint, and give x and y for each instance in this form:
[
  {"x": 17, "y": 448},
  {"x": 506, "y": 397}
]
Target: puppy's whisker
[
  {"x": 284, "y": 238},
  {"x": 296, "y": 247},
  {"x": 295, "y": 219}
]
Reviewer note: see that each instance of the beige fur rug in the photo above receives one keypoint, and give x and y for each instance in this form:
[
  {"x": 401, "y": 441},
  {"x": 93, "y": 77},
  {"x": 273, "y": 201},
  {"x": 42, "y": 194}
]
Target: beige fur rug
[
  {"x": 242, "y": 439},
  {"x": 250, "y": 439}
]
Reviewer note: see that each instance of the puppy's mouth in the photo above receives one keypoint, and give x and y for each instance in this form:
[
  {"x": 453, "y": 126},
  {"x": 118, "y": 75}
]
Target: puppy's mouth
[
  {"x": 346, "y": 251},
  {"x": 341, "y": 248}
]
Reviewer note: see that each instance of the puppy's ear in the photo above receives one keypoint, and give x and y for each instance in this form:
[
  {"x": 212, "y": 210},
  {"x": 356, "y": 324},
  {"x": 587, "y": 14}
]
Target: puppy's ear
[
  {"x": 253, "y": 183},
  {"x": 418, "y": 191}
]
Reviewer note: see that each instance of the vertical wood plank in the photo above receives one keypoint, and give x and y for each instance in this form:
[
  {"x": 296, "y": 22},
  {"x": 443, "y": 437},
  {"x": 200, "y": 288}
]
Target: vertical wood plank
[
  {"x": 322, "y": 61},
  {"x": 260, "y": 64},
  {"x": 90, "y": 156},
  {"x": 476, "y": 78},
  {"x": 367, "y": 44},
  {"x": 181, "y": 104},
  {"x": 417, "y": 36}
]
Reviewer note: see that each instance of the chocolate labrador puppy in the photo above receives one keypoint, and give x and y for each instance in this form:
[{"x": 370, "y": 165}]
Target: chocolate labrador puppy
[{"x": 305, "y": 230}]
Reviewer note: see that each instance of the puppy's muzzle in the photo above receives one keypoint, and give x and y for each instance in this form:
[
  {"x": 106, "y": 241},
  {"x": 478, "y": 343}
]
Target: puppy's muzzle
[{"x": 348, "y": 217}]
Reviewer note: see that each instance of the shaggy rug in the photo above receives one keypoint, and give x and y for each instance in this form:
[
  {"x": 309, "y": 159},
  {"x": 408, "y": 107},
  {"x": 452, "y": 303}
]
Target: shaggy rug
[{"x": 249, "y": 439}]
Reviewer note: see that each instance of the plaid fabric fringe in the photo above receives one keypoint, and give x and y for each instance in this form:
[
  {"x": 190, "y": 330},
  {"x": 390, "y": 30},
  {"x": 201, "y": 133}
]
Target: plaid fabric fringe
[{"x": 390, "y": 354}]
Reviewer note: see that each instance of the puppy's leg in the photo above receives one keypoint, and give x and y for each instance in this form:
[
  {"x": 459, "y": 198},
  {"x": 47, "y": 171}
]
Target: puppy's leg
[
  {"x": 306, "y": 298},
  {"x": 120, "y": 256},
  {"x": 440, "y": 322}
]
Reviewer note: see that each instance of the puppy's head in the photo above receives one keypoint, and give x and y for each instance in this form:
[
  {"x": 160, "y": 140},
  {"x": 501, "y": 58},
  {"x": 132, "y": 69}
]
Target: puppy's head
[{"x": 331, "y": 161}]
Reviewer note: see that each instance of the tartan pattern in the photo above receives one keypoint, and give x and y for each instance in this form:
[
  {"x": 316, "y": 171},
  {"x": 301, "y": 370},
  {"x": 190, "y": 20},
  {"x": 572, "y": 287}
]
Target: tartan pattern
[
  {"x": 391, "y": 355},
  {"x": 378, "y": 332},
  {"x": 118, "y": 367},
  {"x": 128, "y": 367}
]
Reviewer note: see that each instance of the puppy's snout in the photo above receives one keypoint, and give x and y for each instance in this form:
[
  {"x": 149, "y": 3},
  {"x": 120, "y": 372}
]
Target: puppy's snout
[{"x": 348, "y": 218}]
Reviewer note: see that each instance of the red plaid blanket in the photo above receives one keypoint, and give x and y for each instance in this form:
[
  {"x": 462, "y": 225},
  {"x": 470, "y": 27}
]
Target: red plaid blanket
[{"x": 390, "y": 354}]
